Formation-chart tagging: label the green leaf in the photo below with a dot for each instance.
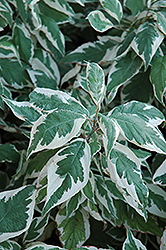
(10, 245)
(135, 6)
(159, 176)
(6, 14)
(98, 21)
(22, 10)
(125, 45)
(92, 209)
(73, 203)
(22, 41)
(124, 171)
(7, 48)
(75, 230)
(43, 246)
(68, 173)
(138, 124)
(122, 71)
(113, 7)
(16, 211)
(88, 190)
(158, 78)
(132, 243)
(9, 153)
(110, 131)
(147, 41)
(160, 18)
(36, 229)
(61, 5)
(96, 82)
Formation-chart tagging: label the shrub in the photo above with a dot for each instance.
(82, 98)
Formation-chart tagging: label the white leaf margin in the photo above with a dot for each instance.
(161, 171)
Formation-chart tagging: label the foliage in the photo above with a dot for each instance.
(82, 105)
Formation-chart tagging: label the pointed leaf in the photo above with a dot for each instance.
(9, 153)
(147, 41)
(158, 78)
(132, 243)
(122, 71)
(74, 230)
(73, 203)
(96, 82)
(60, 5)
(138, 123)
(163, 241)
(160, 18)
(113, 7)
(98, 21)
(16, 211)
(159, 176)
(6, 13)
(10, 245)
(68, 173)
(136, 6)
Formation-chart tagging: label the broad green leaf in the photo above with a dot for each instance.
(53, 33)
(13, 74)
(159, 176)
(163, 241)
(147, 41)
(93, 52)
(138, 124)
(54, 130)
(160, 18)
(124, 171)
(9, 153)
(36, 229)
(158, 78)
(22, 9)
(68, 173)
(60, 5)
(132, 243)
(16, 211)
(10, 245)
(6, 14)
(110, 131)
(75, 230)
(157, 198)
(135, 6)
(96, 82)
(125, 45)
(88, 190)
(23, 43)
(73, 203)
(122, 71)
(113, 7)
(98, 21)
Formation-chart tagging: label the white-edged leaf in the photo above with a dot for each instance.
(131, 243)
(138, 124)
(135, 6)
(163, 241)
(159, 176)
(157, 197)
(122, 71)
(42, 246)
(9, 153)
(95, 82)
(98, 21)
(158, 78)
(61, 5)
(92, 209)
(89, 188)
(54, 130)
(7, 48)
(36, 229)
(73, 203)
(75, 230)
(147, 41)
(22, 41)
(16, 211)
(160, 18)
(6, 14)
(68, 173)
(124, 171)
(113, 7)
(10, 245)
(71, 73)
(110, 130)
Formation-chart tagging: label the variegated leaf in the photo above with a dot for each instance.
(43, 246)
(98, 21)
(158, 78)
(160, 18)
(73, 203)
(113, 7)
(132, 243)
(16, 211)
(75, 230)
(110, 131)
(36, 229)
(70, 74)
(22, 41)
(147, 41)
(88, 190)
(96, 82)
(125, 44)
(124, 170)
(157, 204)
(6, 14)
(122, 71)
(92, 209)
(22, 8)
(54, 130)
(9, 153)
(135, 6)
(159, 176)
(68, 173)
(7, 48)
(10, 245)
(138, 124)
(163, 241)
(61, 5)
